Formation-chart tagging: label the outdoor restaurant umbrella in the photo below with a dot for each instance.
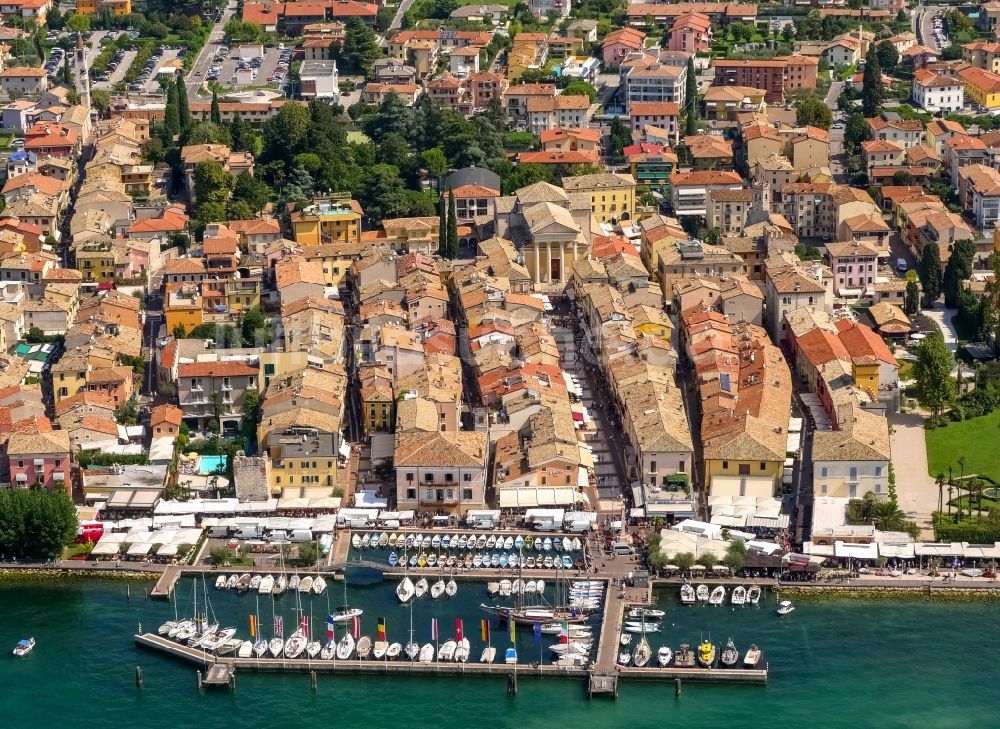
(720, 568)
(697, 567)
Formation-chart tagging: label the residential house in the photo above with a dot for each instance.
(937, 92)
(691, 33)
(444, 471)
(39, 455)
(618, 44)
(213, 392)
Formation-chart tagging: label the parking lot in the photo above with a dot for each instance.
(152, 84)
(272, 67)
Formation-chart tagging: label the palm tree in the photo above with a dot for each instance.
(976, 488)
(939, 480)
(888, 517)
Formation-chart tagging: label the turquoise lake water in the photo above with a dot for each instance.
(837, 663)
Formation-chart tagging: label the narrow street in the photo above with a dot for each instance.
(604, 437)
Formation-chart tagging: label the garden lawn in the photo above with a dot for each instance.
(976, 439)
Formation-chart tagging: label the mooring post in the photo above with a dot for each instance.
(128, 594)
(512, 684)
(312, 680)
(138, 676)
(200, 688)
(677, 687)
(232, 683)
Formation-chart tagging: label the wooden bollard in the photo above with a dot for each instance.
(138, 676)
(677, 687)
(312, 680)
(200, 687)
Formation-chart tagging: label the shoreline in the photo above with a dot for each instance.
(41, 573)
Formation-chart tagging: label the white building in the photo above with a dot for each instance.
(319, 80)
(937, 91)
(853, 459)
(541, 8)
(654, 77)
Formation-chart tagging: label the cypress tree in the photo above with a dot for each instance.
(171, 118)
(216, 114)
(183, 110)
(442, 228)
(452, 228)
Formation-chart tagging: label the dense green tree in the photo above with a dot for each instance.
(524, 175)
(932, 372)
(212, 184)
(855, 132)
(888, 56)
(209, 133)
(171, 115)
(100, 99)
(958, 270)
(360, 49)
(245, 137)
(619, 136)
(691, 89)
(286, 131)
(35, 523)
(254, 192)
(254, 329)
(931, 277)
(814, 112)
(579, 87)
(383, 194)
(872, 93)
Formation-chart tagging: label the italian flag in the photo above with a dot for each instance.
(564, 632)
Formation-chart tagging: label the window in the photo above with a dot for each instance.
(467, 494)
(448, 478)
(411, 494)
(20, 464)
(878, 470)
(429, 478)
(725, 464)
(763, 465)
(466, 476)
(58, 463)
(822, 472)
(652, 466)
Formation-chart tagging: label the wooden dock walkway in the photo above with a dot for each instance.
(165, 585)
(201, 659)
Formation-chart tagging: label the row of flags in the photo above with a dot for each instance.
(279, 628)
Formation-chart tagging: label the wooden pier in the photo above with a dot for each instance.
(164, 586)
(598, 681)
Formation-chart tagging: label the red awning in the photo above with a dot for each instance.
(577, 416)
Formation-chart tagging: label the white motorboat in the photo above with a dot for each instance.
(280, 585)
(718, 596)
(753, 594)
(752, 657)
(493, 588)
(426, 653)
(366, 540)
(255, 582)
(687, 594)
(216, 641)
(463, 541)
(24, 647)
(379, 649)
(641, 627)
(383, 539)
(505, 588)
(477, 560)
(319, 585)
(345, 647)
(364, 646)
(244, 649)
(305, 584)
(644, 613)
(572, 647)
(420, 589)
(451, 587)
(517, 586)
(539, 586)
(481, 541)
(462, 651)
(491, 541)
(295, 645)
(577, 544)
(329, 651)
(739, 596)
(510, 656)
(626, 638)
(701, 592)
(785, 607)
(293, 582)
(508, 543)
(446, 651)
(243, 584)
(529, 587)
(313, 648)
(437, 589)
(260, 648)
(488, 655)
(393, 538)
(624, 658)
(275, 647)
(642, 654)
(232, 582)
(436, 541)
(356, 540)
(207, 633)
(347, 613)
(572, 660)
(393, 651)
(412, 650)
(426, 542)
(266, 586)
(166, 627)
(664, 656)
(405, 590)
(431, 559)
(220, 582)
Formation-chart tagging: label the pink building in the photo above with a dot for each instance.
(691, 33)
(38, 455)
(854, 266)
(618, 44)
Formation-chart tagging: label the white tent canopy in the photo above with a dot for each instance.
(855, 551)
(527, 497)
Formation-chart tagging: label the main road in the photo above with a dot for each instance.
(196, 77)
(922, 23)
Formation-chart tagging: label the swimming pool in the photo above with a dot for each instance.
(207, 465)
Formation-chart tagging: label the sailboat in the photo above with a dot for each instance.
(266, 586)
(295, 644)
(729, 656)
(405, 590)
(451, 588)
(437, 589)
(412, 648)
(364, 646)
(642, 653)
(280, 585)
(345, 647)
(420, 588)
(346, 612)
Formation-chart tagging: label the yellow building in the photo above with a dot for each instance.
(336, 219)
(865, 373)
(278, 364)
(182, 307)
(651, 322)
(69, 374)
(982, 87)
(296, 464)
(336, 259)
(377, 407)
(91, 7)
(96, 261)
(243, 294)
(612, 195)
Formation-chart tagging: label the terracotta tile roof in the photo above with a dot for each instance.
(706, 177)
(166, 413)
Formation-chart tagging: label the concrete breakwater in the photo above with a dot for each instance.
(936, 591)
(17, 573)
